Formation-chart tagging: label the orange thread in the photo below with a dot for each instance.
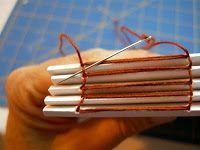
(84, 75)
(150, 44)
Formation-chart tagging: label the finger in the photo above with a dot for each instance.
(105, 133)
(35, 80)
(28, 86)
(26, 89)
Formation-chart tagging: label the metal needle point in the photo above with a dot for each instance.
(100, 61)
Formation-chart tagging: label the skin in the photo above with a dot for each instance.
(28, 128)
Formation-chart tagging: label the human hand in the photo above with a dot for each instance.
(28, 128)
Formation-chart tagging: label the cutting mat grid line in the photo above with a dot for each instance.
(31, 34)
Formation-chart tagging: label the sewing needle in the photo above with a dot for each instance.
(100, 61)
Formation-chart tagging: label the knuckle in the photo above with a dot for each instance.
(14, 81)
(96, 50)
(12, 77)
(95, 54)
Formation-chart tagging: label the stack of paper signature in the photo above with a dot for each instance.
(119, 91)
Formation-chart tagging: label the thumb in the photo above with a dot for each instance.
(104, 133)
